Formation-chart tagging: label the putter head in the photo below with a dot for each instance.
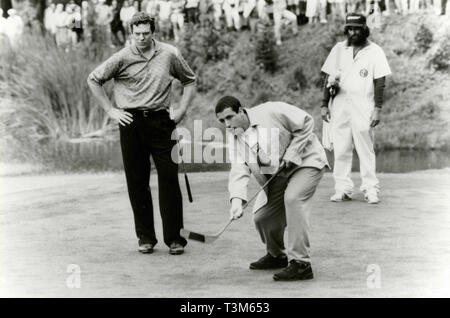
(192, 236)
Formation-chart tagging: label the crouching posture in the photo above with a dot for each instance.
(260, 140)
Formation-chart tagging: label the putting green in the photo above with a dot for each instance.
(48, 222)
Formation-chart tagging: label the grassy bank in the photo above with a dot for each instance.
(44, 97)
(417, 98)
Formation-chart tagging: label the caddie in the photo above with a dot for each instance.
(356, 70)
(260, 139)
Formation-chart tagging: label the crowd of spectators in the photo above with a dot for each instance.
(71, 23)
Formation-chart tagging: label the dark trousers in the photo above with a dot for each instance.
(192, 15)
(150, 134)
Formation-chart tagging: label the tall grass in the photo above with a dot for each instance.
(44, 93)
(44, 96)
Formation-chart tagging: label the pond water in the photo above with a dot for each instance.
(107, 156)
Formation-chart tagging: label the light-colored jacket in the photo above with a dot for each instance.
(277, 131)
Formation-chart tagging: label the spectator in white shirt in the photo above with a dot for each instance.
(49, 19)
(231, 10)
(73, 23)
(14, 27)
(177, 18)
(217, 13)
(152, 8)
(103, 20)
(3, 35)
(126, 13)
(278, 8)
(316, 10)
(164, 18)
(61, 25)
(247, 9)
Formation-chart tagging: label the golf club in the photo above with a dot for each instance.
(204, 238)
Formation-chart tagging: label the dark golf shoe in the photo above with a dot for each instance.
(145, 248)
(176, 248)
(297, 270)
(270, 262)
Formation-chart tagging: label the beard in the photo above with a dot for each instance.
(356, 39)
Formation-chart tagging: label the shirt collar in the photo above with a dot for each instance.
(136, 51)
(253, 117)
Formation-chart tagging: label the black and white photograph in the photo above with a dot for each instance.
(242, 150)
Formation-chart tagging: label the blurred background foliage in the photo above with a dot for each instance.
(44, 98)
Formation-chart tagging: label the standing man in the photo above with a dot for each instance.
(356, 69)
(143, 74)
(14, 27)
(2, 27)
(261, 139)
(103, 20)
(117, 29)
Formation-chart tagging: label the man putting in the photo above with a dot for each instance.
(143, 74)
(261, 138)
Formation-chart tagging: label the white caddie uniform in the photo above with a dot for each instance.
(351, 111)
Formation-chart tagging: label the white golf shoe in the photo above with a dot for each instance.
(340, 196)
(371, 197)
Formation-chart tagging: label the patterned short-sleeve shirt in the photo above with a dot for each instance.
(144, 82)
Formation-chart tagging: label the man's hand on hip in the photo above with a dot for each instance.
(236, 210)
(375, 118)
(122, 117)
(325, 112)
(177, 115)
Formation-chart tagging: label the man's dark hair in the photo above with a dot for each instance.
(228, 102)
(142, 18)
(366, 31)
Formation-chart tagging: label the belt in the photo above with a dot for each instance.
(145, 112)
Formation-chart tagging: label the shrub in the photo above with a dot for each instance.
(266, 55)
(423, 38)
(201, 44)
(298, 80)
(440, 58)
(44, 93)
(429, 111)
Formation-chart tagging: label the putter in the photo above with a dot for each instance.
(204, 238)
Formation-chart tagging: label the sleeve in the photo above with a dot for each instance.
(382, 68)
(329, 67)
(300, 124)
(239, 173)
(181, 70)
(379, 85)
(107, 70)
(326, 93)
